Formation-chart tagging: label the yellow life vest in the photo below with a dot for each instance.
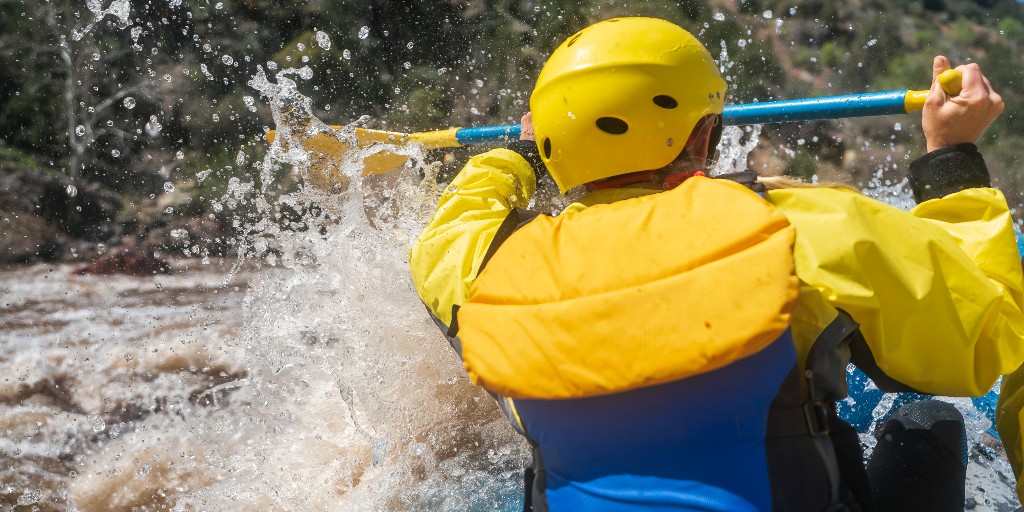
(631, 294)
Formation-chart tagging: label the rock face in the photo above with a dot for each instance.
(25, 238)
(39, 217)
(42, 219)
(133, 262)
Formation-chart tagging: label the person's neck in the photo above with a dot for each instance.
(664, 179)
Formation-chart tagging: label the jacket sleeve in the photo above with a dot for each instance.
(937, 290)
(446, 257)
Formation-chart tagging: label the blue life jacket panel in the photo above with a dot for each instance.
(693, 444)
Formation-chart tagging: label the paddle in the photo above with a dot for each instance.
(325, 147)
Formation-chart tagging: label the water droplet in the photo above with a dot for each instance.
(226, 59)
(407, 65)
(129, 103)
(80, 130)
(168, 187)
(323, 40)
(364, 32)
(718, 16)
(418, 449)
(115, 153)
(767, 14)
(409, 45)
(871, 43)
(136, 32)
(71, 190)
(95, 56)
(240, 157)
(169, 210)
(897, 127)
(153, 127)
(345, 54)
(96, 423)
(29, 497)
(219, 6)
(792, 11)
(180, 155)
(306, 73)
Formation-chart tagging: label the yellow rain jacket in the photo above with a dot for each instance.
(938, 291)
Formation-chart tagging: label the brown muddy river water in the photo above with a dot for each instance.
(255, 390)
(319, 386)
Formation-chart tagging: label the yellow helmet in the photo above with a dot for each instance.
(622, 96)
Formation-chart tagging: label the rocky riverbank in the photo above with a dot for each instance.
(46, 217)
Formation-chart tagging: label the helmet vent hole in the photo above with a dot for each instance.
(573, 40)
(612, 125)
(664, 101)
(547, 148)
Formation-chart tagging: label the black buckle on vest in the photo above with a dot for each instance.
(816, 414)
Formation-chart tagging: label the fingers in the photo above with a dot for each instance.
(939, 64)
(973, 81)
(997, 100)
(936, 95)
(526, 132)
(949, 120)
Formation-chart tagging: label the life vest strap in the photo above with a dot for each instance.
(809, 419)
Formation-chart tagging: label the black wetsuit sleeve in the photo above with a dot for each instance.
(948, 170)
(528, 150)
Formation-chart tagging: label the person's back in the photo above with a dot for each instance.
(668, 346)
(646, 389)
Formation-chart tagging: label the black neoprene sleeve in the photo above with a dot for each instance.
(528, 150)
(948, 170)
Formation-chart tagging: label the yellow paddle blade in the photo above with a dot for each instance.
(326, 151)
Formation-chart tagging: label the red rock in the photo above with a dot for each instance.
(132, 262)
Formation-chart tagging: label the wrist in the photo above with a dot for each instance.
(947, 170)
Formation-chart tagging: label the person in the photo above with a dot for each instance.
(676, 342)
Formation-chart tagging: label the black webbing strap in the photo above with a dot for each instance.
(516, 219)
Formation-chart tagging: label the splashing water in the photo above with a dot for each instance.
(120, 9)
(352, 396)
(734, 149)
(308, 378)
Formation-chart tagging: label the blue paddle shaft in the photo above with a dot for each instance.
(812, 109)
(809, 109)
